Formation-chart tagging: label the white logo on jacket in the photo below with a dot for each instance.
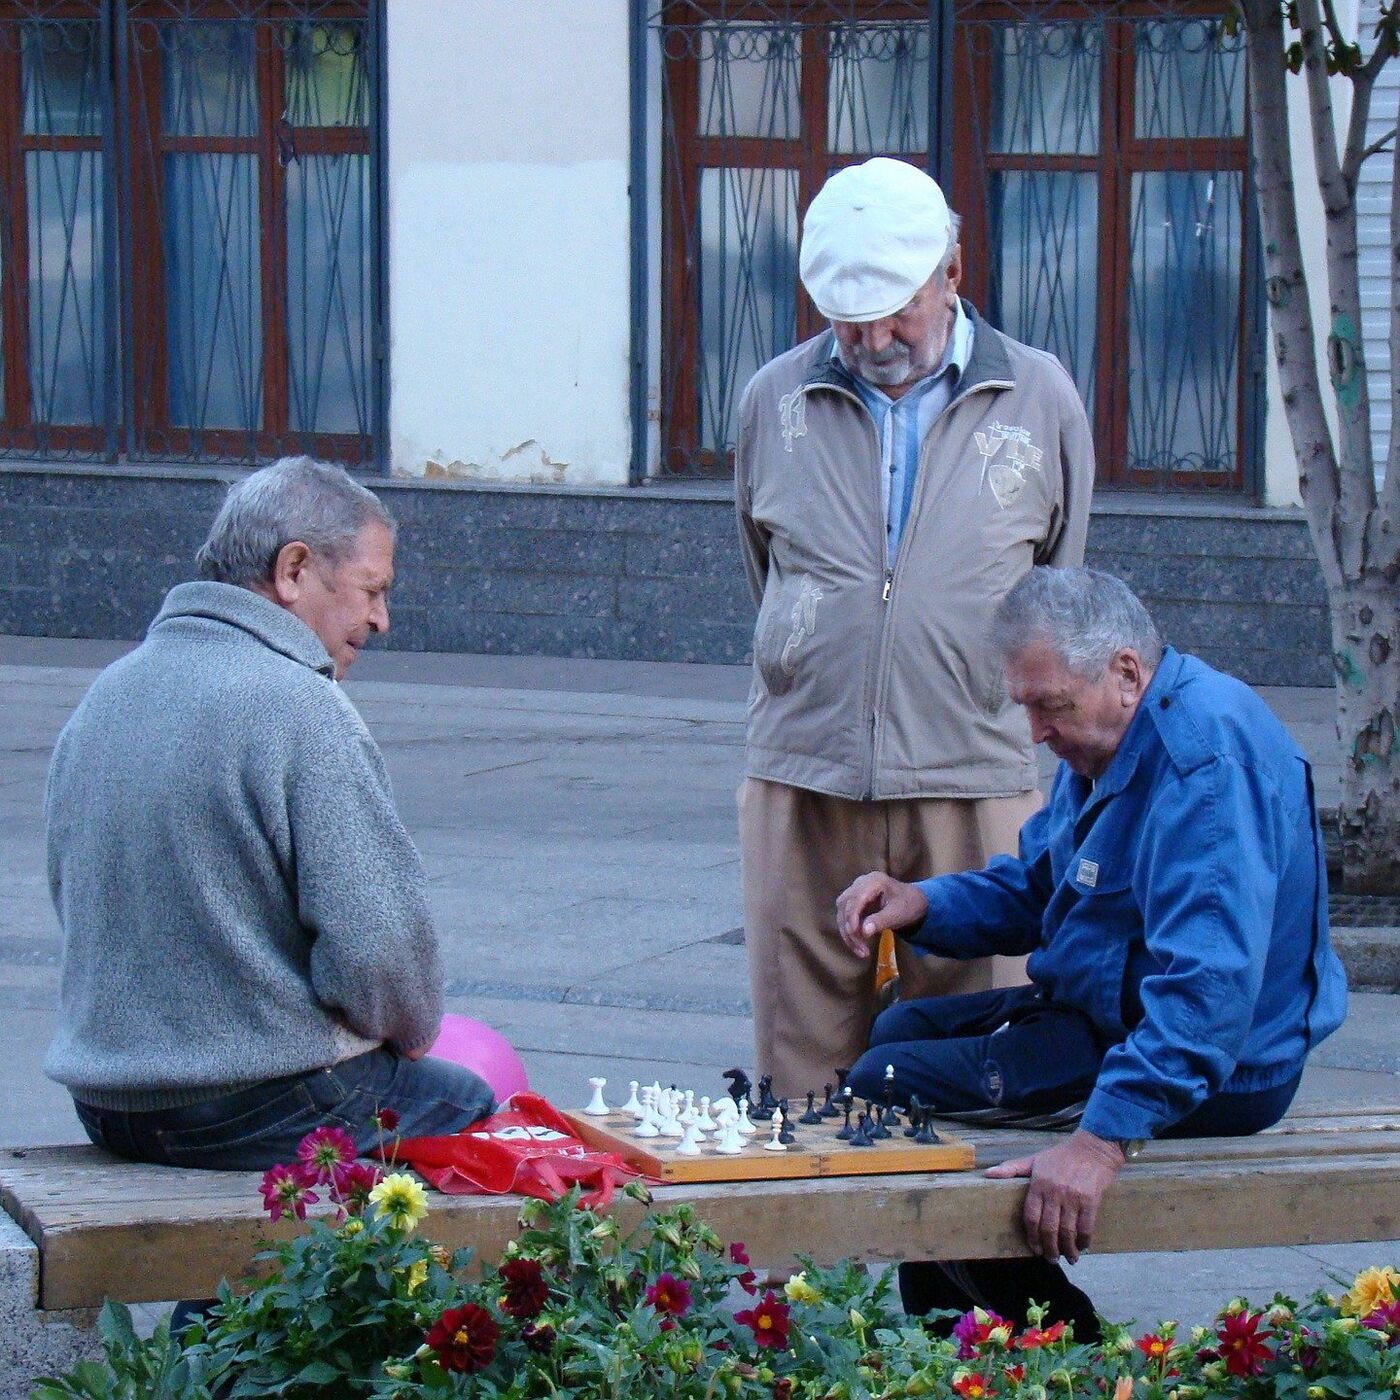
(1088, 873)
(792, 410)
(804, 622)
(1007, 455)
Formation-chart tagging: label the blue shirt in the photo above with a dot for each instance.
(1180, 902)
(902, 424)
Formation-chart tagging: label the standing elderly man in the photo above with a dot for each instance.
(895, 476)
(1173, 899)
(248, 952)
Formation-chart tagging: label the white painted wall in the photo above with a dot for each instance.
(1280, 464)
(508, 239)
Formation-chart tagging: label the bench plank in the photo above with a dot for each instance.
(110, 1229)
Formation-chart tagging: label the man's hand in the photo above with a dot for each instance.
(876, 902)
(1067, 1184)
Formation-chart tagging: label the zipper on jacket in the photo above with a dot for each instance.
(882, 656)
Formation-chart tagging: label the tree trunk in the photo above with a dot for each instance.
(1366, 653)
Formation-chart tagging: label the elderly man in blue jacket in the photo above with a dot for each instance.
(1172, 896)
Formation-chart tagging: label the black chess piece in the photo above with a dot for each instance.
(862, 1136)
(916, 1113)
(927, 1136)
(841, 1073)
(889, 1118)
(877, 1127)
(845, 1133)
(763, 1109)
(828, 1109)
(786, 1136)
(739, 1084)
(812, 1118)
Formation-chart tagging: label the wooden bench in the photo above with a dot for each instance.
(109, 1229)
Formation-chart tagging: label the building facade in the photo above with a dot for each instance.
(518, 261)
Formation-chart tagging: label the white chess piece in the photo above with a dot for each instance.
(646, 1124)
(690, 1144)
(706, 1123)
(745, 1126)
(670, 1125)
(596, 1106)
(775, 1143)
(633, 1104)
(730, 1142)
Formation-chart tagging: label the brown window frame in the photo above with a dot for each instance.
(1121, 155)
(151, 399)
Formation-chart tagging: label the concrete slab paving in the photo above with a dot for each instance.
(577, 822)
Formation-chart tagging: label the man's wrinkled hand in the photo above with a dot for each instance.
(1067, 1184)
(875, 902)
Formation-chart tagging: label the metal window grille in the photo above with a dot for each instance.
(1097, 152)
(189, 230)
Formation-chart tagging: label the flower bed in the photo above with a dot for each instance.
(361, 1304)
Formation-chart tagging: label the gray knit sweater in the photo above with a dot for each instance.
(238, 896)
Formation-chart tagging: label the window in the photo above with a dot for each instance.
(1097, 154)
(214, 295)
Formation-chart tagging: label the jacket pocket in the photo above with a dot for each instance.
(787, 622)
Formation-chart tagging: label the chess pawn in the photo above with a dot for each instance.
(730, 1142)
(689, 1145)
(633, 1104)
(646, 1124)
(670, 1125)
(745, 1126)
(812, 1117)
(776, 1143)
(705, 1123)
(596, 1107)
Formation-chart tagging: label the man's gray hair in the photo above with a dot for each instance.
(954, 231)
(296, 498)
(1084, 616)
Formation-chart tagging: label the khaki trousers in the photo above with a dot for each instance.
(813, 1001)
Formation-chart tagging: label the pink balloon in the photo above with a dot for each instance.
(479, 1048)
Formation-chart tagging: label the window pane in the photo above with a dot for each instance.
(213, 299)
(748, 80)
(879, 89)
(328, 293)
(67, 360)
(748, 272)
(1189, 79)
(207, 80)
(60, 78)
(1043, 281)
(1045, 88)
(1184, 317)
(326, 79)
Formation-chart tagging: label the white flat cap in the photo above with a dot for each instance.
(872, 237)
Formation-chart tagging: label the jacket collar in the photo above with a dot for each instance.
(273, 626)
(988, 364)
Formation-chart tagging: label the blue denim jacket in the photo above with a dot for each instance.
(1180, 902)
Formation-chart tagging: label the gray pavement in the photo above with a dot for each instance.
(577, 821)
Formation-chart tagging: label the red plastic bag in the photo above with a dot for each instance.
(526, 1147)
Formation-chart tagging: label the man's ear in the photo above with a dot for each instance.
(955, 269)
(1131, 676)
(289, 573)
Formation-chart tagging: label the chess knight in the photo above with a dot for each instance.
(895, 476)
(1172, 899)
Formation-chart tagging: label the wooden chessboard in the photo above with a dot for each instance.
(817, 1152)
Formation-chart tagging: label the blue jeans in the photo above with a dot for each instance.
(258, 1127)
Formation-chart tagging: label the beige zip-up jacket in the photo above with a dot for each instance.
(873, 678)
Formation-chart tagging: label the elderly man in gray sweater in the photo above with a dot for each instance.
(248, 952)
